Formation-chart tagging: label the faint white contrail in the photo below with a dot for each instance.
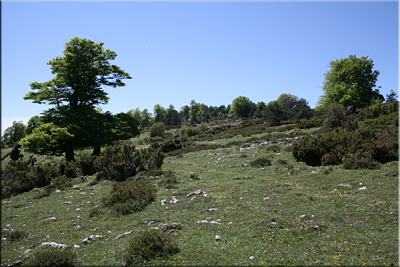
(151, 44)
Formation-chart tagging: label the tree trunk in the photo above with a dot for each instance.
(96, 151)
(69, 154)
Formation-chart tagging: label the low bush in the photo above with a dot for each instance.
(120, 162)
(260, 162)
(329, 148)
(148, 245)
(360, 160)
(168, 179)
(89, 164)
(129, 197)
(157, 129)
(14, 235)
(52, 257)
(168, 146)
(194, 176)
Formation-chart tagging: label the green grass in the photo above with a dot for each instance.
(260, 211)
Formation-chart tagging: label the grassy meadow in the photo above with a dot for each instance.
(283, 213)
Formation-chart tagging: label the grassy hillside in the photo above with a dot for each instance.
(275, 211)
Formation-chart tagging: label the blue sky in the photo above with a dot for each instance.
(211, 52)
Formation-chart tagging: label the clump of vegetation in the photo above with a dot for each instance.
(281, 162)
(260, 162)
(360, 160)
(168, 179)
(149, 245)
(194, 176)
(89, 164)
(14, 235)
(157, 129)
(120, 162)
(129, 197)
(275, 148)
(95, 212)
(330, 148)
(52, 257)
(168, 146)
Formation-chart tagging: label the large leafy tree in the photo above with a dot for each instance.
(241, 106)
(13, 134)
(76, 90)
(350, 82)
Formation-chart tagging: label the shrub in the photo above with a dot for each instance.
(157, 129)
(52, 257)
(121, 162)
(194, 176)
(149, 245)
(14, 235)
(89, 164)
(275, 148)
(335, 116)
(360, 160)
(329, 148)
(72, 169)
(168, 146)
(281, 162)
(168, 179)
(127, 198)
(260, 162)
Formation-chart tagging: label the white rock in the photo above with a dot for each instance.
(217, 238)
(51, 219)
(363, 188)
(252, 257)
(302, 216)
(76, 246)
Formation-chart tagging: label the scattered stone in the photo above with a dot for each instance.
(203, 221)
(303, 216)
(217, 238)
(198, 192)
(51, 219)
(163, 201)
(363, 188)
(252, 257)
(53, 244)
(75, 186)
(265, 198)
(215, 222)
(26, 251)
(243, 165)
(213, 209)
(76, 246)
(346, 185)
(171, 228)
(174, 200)
(126, 233)
(83, 193)
(148, 222)
(58, 191)
(314, 172)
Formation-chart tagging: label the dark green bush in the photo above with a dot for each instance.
(168, 146)
(89, 164)
(127, 198)
(72, 169)
(52, 257)
(148, 245)
(275, 148)
(334, 116)
(168, 179)
(157, 129)
(329, 148)
(360, 160)
(260, 162)
(14, 235)
(281, 162)
(121, 162)
(194, 176)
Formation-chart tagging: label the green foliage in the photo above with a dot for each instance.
(89, 164)
(194, 176)
(130, 197)
(168, 179)
(331, 147)
(360, 160)
(391, 97)
(334, 116)
(47, 138)
(168, 146)
(14, 235)
(157, 129)
(72, 169)
(241, 106)
(148, 245)
(350, 82)
(52, 257)
(33, 123)
(194, 112)
(121, 162)
(159, 113)
(260, 162)
(13, 134)
(275, 113)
